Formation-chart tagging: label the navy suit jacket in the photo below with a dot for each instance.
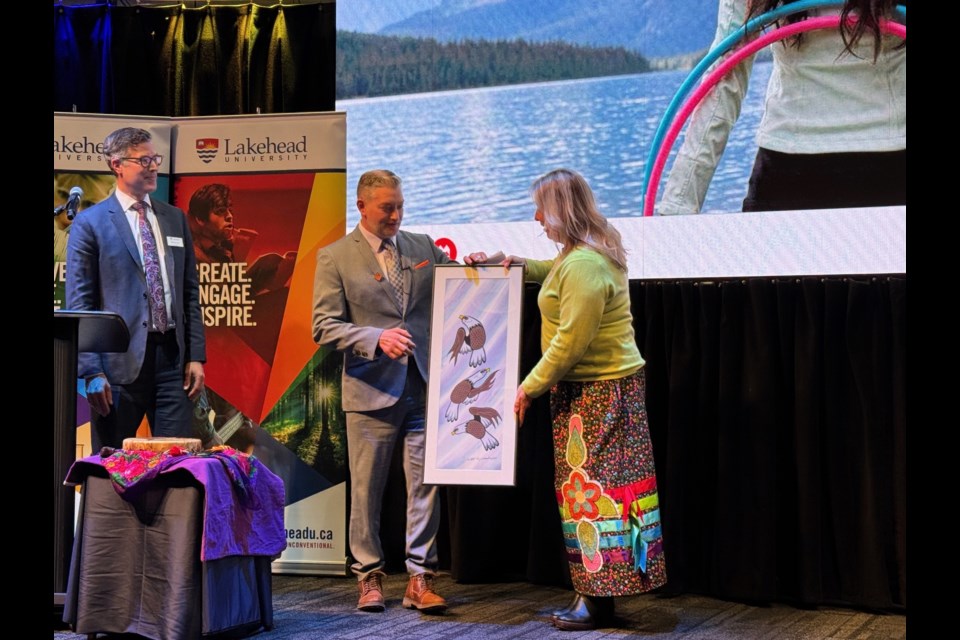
(105, 273)
(353, 302)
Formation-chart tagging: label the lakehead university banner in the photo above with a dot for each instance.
(262, 194)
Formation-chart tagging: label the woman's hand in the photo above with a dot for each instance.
(520, 405)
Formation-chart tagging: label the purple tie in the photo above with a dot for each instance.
(151, 267)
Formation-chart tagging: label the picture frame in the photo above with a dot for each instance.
(475, 326)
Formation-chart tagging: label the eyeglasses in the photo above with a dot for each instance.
(145, 161)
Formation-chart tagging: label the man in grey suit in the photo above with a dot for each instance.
(371, 301)
(133, 255)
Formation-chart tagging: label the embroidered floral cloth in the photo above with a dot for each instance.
(244, 501)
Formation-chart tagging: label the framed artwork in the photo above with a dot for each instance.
(471, 430)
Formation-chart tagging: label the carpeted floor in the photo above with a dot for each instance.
(309, 607)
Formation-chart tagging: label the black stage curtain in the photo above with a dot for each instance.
(778, 416)
(177, 61)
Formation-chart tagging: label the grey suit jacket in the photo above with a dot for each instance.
(353, 303)
(105, 273)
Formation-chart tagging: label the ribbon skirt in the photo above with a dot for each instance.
(607, 486)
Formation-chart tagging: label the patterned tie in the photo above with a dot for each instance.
(393, 269)
(151, 267)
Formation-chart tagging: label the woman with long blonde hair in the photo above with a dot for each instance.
(605, 476)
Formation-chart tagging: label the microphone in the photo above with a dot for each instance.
(71, 205)
(76, 194)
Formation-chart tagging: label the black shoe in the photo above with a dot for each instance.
(573, 605)
(587, 612)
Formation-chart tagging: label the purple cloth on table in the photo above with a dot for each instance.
(229, 528)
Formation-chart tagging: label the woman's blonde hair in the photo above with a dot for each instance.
(566, 203)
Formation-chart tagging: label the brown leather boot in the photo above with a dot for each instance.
(420, 595)
(371, 592)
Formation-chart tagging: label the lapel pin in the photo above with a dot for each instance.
(420, 265)
(378, 276)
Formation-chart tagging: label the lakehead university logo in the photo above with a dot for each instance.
(250, 150)
(207, 149)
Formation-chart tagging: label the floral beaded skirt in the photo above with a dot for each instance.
(607, 486)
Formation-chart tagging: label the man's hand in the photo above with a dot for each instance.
(99, 394)
(193, 379)
(520, 405)
(396, 343)
(479, 257)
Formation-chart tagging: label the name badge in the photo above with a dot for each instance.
(173, 241)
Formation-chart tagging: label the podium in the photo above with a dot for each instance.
(73, 331)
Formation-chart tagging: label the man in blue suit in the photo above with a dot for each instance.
(133, 255)
(371, 301)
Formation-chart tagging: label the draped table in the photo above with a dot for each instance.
(183, 554)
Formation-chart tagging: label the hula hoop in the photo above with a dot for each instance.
(714, 54)
(812, 24)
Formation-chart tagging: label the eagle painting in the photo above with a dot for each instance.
(467, 390)
(484, 418)
(470, 340)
